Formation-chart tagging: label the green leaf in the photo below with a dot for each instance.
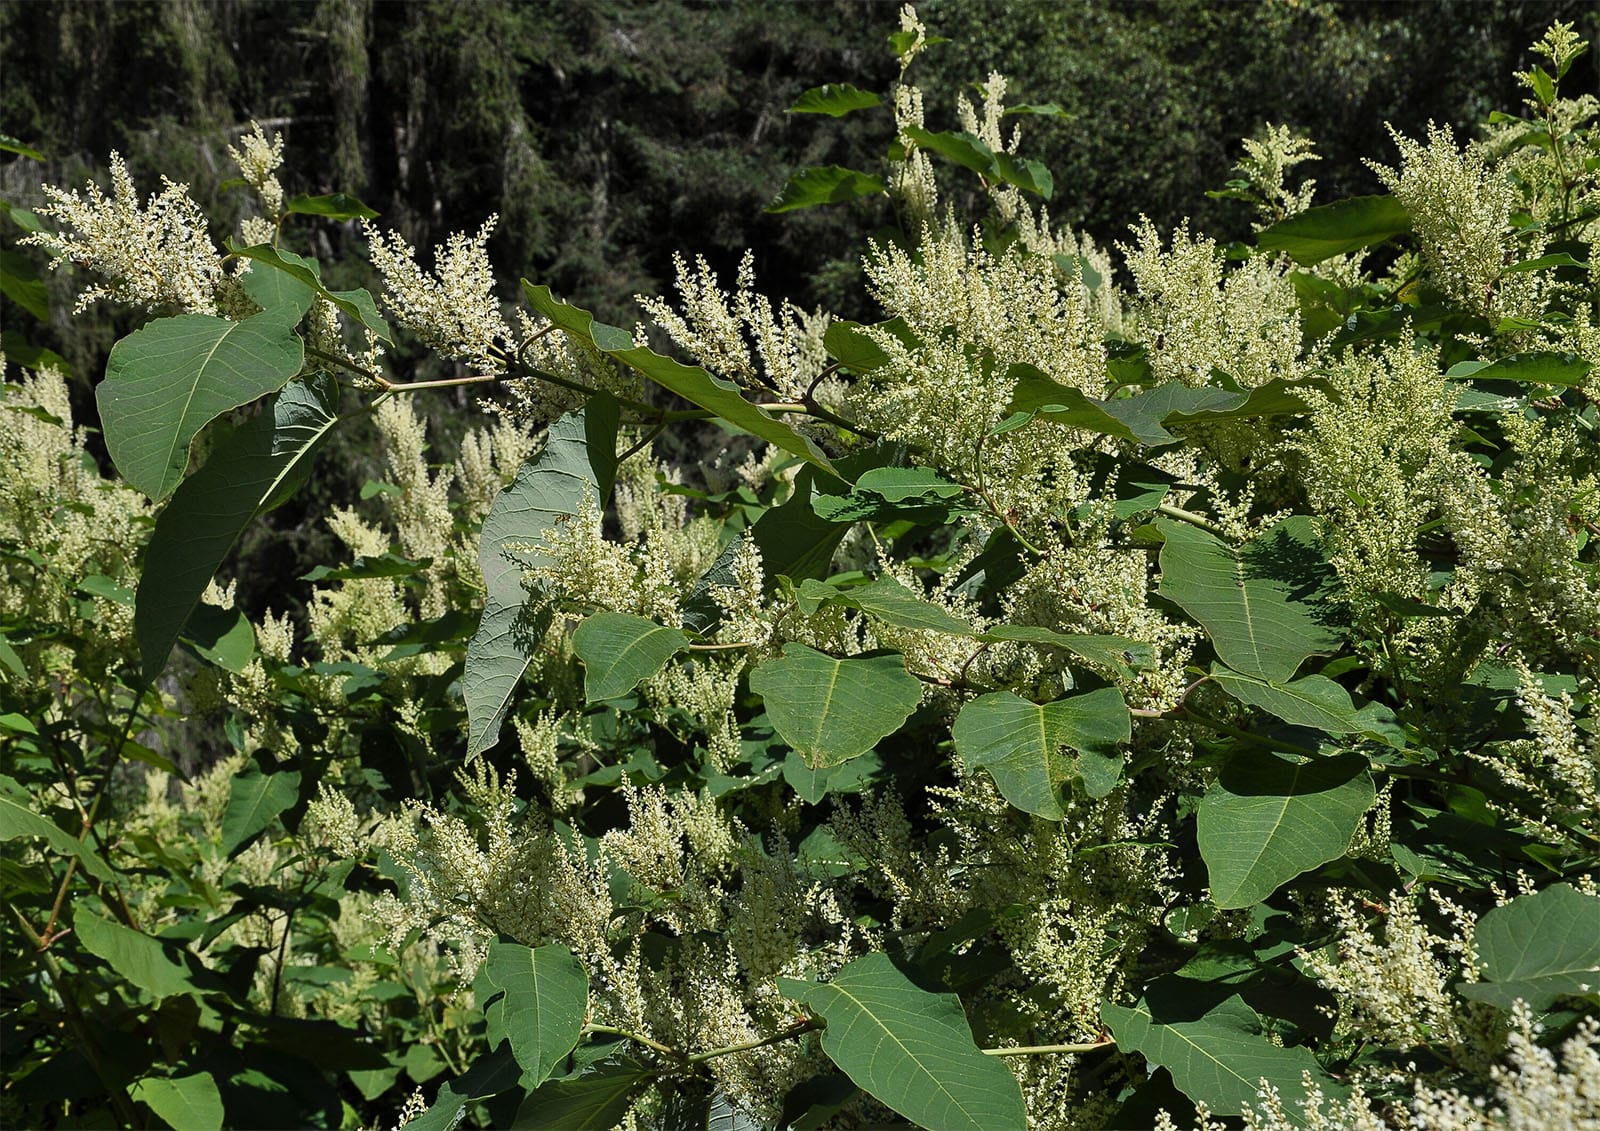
(1019, 743)
(1260, 603)
(835, 100)
(252, 470)
(170, 379)
(489, 1076)
(20, 283)
(911, 1049)
(1118, 653)
(965, 149)
(1217, 1052)
(1539, 947)
(184, 1103)
(256, 799)
(597, 1100)
(621, 651)
(19, 817)
(1311, 701)
(537, 1000)
(1334, 229)
(1025, 173)
(18, 724)
(225, 637)
(825, 184)
(357, 305)
(578, 460)
(1047, 109)
(1564, 369)
(834, 710)
(335, 206)
(850, 345)
(135, 956)
(278, 291)
(1037, 393)
(693, 384)
(891, 602)
(9, 144)
(1269, 817)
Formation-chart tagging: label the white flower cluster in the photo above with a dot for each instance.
(157, 255)
(258, 158)
(453, 310)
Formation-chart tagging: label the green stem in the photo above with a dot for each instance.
(726, 1050)
(1040, 1050)
(612, 1030)
(1192, 519)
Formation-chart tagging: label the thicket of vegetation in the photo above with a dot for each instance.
(1086, 685)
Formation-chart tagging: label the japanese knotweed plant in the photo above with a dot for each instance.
(1085, 664)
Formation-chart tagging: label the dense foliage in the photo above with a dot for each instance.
(1092, 690)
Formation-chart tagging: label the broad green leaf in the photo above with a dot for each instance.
(537, 1000)
(489, 1075)
(911, 1049)
(834, 710)
(825, 184)
(621, 651)
(835, 99)
(1218, 1053)
(884, 488)
(1310, 701)
(256, 799)
(1020, 743)
(1261, 603)
(1539, 947)
(1565, 369)
(596, 1100)
(888, 601)
(20, 283)
(355, 304)
(693, 384)
(184, 1103)
(170, 379)
(1026, 174)
(252, 470)
(135, 956)
(19, 817)
(1269, 817)
(812, 784)
(578, 461)
(1334, 229)
(335, 206)
(965, 149)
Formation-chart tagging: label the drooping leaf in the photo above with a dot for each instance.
(279, 291)
(891, 602)
(334, 206)
(835, 99)
(1020, 743)
(911, 1049)
(256, 799)
(1310, 701)
(1563, 369)
(596, 1100)
(621, 651)
(143, 961)
(1263, 604)
(965, 149)
(184, 1103)
(9, 144)
(834, 710)
(357, 304)
(171, 378)
(489, 1075)
(1333, 229)
(1539, 947)
(1037, 393)
(1269, 817)
(578, 460)
(253, 469)
(825, 184)
(19, 818)
(850, 345)
(224, 637)
(693, 384)
(1217, 1052)
(537, 1000)
(1118, 653)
